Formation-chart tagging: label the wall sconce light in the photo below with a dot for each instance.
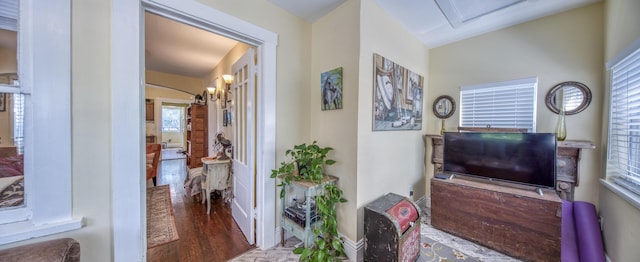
(213, 93)
(228, 79)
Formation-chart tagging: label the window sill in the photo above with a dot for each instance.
(23, 230)
(622, 192)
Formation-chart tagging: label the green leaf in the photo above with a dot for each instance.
(299, 250)
(282, 193)
(330, 162)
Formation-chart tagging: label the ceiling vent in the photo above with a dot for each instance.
(459, 12)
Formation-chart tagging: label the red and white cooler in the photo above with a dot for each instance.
(391, 229)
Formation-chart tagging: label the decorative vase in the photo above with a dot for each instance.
(561, 127)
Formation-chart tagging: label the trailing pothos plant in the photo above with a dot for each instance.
(306, 162)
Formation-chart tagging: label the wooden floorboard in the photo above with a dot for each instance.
(203, 237)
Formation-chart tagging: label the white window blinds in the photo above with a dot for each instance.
(508, 104)
(623, 164)
(9, 14)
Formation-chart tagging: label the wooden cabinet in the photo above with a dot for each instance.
(567, 162)
(148, 110)
(518, 222)
(196, 134)
(298, 211)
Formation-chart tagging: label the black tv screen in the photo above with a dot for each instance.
(526, 158)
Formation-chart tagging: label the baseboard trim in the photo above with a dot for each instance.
(354, 250)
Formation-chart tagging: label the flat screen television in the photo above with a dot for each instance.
(525, 158)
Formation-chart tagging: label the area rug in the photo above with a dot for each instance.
(431, 250)
(276, 254)
(161, 226)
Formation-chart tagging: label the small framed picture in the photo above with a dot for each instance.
(223, 101)
(225, 118)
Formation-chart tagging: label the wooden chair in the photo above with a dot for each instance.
(153, 158)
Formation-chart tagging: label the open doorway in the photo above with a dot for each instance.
(127, 41)
(173, 130)
(184, 129)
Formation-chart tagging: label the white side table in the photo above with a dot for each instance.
(216, 175)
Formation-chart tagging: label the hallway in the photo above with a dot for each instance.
(213, 237)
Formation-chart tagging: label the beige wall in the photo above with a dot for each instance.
(293, 65)
(215, 110)
(192, 85)
(335, 43)
(91, 127)
(388, 161)
(621, 221)
(155, 92)
(6, 123)
(8, 61)
(563, 47)
(8, 64)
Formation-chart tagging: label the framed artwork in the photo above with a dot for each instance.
(331, 89)
(225, 118)
(397, 96)
(3, 102)
(223, 102)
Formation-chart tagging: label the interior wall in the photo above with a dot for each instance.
(8, 61)
(8, 64)
(335, 43)
(154, 92)
(192, 85)
(6, 123)
(388, 161)
(293, 63)
(215, 111)
(91, 128)
(564, 47)
(621, 220)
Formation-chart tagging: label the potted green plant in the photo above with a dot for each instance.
(306, 162)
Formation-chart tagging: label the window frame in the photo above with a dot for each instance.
(612, 169)
(496, 85)
(47, 89)
(180, 121)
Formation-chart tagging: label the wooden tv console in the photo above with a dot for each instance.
(516, 221)
(567, 162)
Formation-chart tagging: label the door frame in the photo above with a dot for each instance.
(127, 42)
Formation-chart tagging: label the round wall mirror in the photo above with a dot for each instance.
(444, 106)
(576, 97)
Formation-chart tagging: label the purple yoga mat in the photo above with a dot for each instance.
(588, 232)
(568, 243)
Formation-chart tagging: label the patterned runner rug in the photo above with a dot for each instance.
(161, 226)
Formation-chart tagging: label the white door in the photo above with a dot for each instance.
(243, 124)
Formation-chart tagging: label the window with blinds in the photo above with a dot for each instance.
(623, 163)
(508, 104)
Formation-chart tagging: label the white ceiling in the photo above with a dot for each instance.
(423, 18)
(177, 48)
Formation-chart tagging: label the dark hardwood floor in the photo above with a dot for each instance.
(213, 237)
